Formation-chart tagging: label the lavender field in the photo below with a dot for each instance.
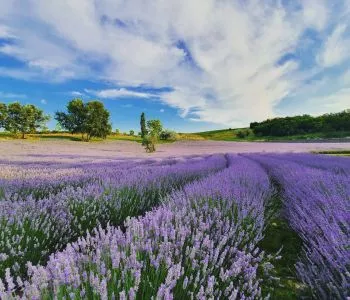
(204, 226)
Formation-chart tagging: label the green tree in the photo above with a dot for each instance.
(24, 118)
(89, 119)
(131, 132)
(117, 131)
(154, 128)
(149, 142)
(143, 125)
(305, 124)
(3, 114)
(97, 120)
(75, 117)
(58, 127)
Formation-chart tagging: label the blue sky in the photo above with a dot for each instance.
(196, 65)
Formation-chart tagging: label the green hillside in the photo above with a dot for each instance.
(246, 134)
(228, 134)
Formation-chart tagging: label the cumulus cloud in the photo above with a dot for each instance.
(43, 101)
(227, 62)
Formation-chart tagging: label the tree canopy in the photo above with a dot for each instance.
(143, 125)
(74, 119)
(18, 118)
(303, 124)
(3, 114)
(89, 119)
(154, 127)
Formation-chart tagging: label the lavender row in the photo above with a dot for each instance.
(32, 229)
(317, 206)
(201, 244)
(41, 180)
(334, 164)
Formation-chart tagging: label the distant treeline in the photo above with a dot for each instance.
(303, 124)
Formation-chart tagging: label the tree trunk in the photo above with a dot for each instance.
(23, 135)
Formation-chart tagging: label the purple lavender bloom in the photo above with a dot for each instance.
(316, 192)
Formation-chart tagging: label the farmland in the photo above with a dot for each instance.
(219, 221)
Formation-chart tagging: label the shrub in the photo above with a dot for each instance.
(242, 134)
(168, 135)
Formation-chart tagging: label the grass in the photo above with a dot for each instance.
(335, 152)
(227, 135)
(6, 136)
(190, 137)
(215, 135)
(74, 137)
(68, 137)
(279, 236)
(279, 233)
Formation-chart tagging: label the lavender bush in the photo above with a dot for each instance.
(201, 243)
(31, 228)
(317, 206)
(179, 228)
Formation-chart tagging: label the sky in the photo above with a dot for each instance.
(196, 65)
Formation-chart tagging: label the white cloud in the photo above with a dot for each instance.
(315, 13)
(12, 95)
(43, 101)
(119, 93)
(230, 72)
(76, 94)
(162, 110)
(337, 47)
(330, 94)
(5, 32)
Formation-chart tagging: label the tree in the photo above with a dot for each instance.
(97, 120)
(131, 132)
(58, 128)
(328, 123)
(24, 118)
(3, 114)
(117, 131)
(149, 142)
(90, 119)
(154, 128)
(143, 125)
(75, 118)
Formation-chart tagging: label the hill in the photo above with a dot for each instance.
(246, 134)
(237, 134)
